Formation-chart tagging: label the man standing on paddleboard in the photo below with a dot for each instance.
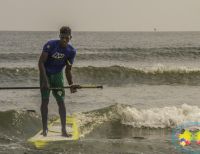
(55, 56)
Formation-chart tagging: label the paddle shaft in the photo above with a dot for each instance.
(79, 87)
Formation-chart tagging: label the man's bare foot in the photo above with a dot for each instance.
(44, 133)
(65, 134)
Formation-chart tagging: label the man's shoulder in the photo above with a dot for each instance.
(52, 42)
(49, 45)
(71, 48)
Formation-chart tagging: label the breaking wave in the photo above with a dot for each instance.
(156, 118)
(112, 75)
(23, 124)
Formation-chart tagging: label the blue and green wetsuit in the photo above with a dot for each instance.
(56, 61)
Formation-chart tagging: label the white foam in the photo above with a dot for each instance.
(159, 117)
(166, 117)
(162, 68)
(88, 122)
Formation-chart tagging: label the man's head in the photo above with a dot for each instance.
(65, 35)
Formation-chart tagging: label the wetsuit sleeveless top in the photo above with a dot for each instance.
(58, 56)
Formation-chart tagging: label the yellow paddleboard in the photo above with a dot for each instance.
(54, 133)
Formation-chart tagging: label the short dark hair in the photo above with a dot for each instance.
(65, 30)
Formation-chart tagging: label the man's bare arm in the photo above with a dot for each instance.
(42, 60)
(68, 74)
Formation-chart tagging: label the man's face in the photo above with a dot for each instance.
(64, 39)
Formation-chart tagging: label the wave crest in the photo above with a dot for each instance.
(113, 75)
(166, 117)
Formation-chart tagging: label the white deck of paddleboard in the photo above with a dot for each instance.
(54, 134)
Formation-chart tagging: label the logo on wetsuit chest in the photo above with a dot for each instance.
(58, 55)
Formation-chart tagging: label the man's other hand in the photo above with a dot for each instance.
(73, 88)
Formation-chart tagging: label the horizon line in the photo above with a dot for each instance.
(101, 31)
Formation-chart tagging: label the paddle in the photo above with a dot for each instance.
(78, 87)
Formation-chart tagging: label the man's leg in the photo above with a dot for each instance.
(44, 113)
(45, 93)
(62, 112)
(59, 95)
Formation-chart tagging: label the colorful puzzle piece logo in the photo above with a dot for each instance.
(187, 136)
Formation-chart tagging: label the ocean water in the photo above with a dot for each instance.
(151, 85)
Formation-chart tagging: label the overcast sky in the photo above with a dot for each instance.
(100, 15)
